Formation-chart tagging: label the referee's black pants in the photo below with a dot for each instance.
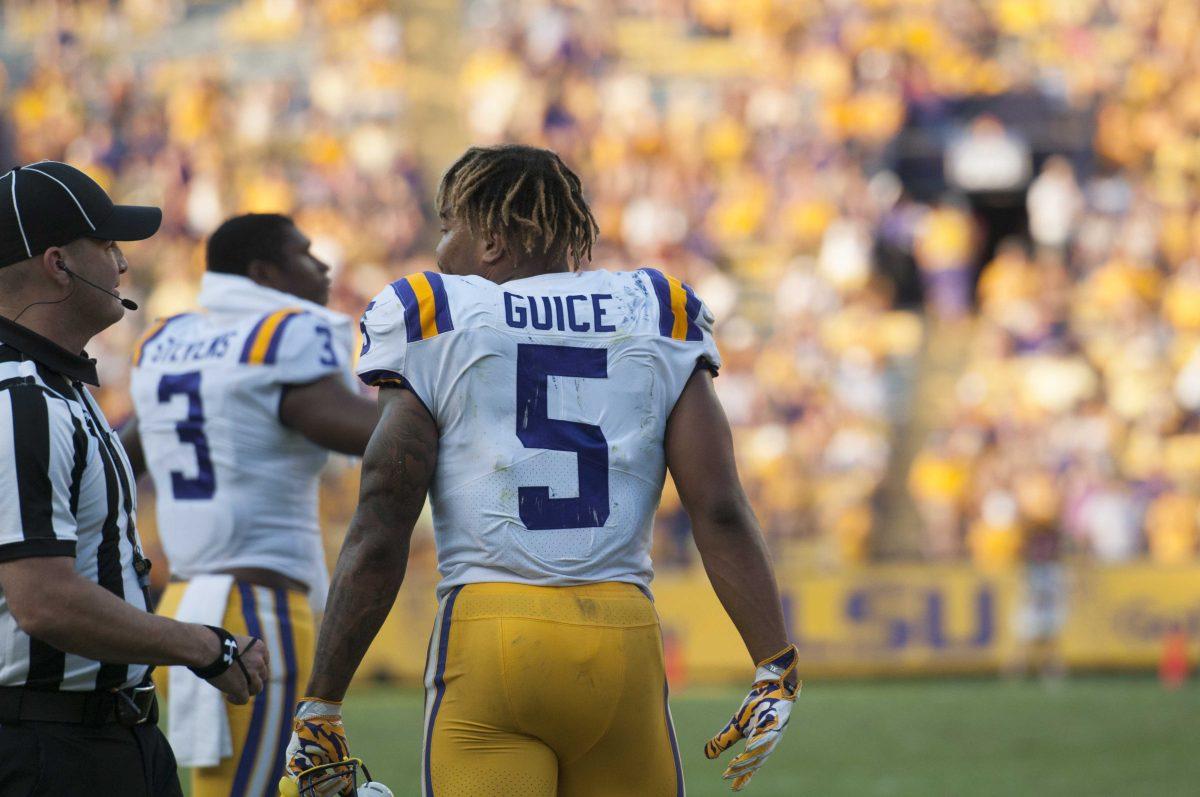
(55, 759)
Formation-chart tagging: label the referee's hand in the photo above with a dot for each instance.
(253, 656)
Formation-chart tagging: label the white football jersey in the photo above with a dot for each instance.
(235, 487)
(551, 395)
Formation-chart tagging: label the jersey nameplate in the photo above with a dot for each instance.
(575, 313)
(171, 350)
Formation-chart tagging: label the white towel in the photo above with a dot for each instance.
(198, 727)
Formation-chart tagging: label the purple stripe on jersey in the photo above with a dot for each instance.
(277, 337)
(412, 308)
(662, 289)
(692, 308)
(441, 302)
(251, 338)
(374, 378)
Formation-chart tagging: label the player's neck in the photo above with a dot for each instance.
(535, 270)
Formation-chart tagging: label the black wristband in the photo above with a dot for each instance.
(224, 659)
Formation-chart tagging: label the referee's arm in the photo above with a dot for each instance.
(53, 603)
(48, 599)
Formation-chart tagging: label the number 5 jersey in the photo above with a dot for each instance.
(551, 395)
(235, 487)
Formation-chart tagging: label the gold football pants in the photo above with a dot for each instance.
(547, 692)
(260, 729)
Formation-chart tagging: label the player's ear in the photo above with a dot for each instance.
(495, 249)
(264, 272)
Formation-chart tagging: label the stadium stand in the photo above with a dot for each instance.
(954, 253)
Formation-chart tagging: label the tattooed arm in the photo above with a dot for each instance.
(397, 468)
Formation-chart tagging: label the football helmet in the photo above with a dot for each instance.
(337, 778)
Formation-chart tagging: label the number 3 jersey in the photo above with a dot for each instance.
(551, 396)
(235, 487)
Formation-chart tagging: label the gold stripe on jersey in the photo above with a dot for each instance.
(150, 333)
(266, 331)
(424, 292)
(678, 308)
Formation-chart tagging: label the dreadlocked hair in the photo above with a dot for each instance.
(524, 195)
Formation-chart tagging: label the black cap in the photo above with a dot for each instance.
(49, 204)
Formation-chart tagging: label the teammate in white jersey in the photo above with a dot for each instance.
(238, 405)
(540, 407)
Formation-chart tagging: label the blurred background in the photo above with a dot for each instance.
(953, 247)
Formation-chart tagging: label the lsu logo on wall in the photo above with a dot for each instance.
(907, 620)
(890, 620)
(889, 616)
(880, 619)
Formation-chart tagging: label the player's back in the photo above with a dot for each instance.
(551, 395)
(235, 487)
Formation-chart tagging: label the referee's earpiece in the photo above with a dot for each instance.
(128, 304)
(61, 265)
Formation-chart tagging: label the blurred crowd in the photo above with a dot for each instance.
(750, 148)
(1073, 427)
(214, 108)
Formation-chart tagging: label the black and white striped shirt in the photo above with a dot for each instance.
(66, 489)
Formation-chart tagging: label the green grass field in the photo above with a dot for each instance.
(1093, 736)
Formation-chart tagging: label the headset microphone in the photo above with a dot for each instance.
(128, 304)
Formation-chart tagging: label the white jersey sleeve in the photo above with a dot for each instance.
(384, 342)
(410, 312)
(301, 349)
(685, 331)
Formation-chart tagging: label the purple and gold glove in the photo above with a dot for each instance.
(762, 718)
(318, 739)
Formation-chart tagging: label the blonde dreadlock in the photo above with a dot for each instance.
(524, 195)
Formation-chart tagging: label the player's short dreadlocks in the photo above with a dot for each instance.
(526, 196)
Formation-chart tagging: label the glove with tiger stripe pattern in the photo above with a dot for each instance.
(761, 719)
(318, 738)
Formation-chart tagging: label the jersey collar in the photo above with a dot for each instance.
(76, 367)
(232, 293)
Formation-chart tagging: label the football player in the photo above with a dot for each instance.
(237, 406)
(540, 407)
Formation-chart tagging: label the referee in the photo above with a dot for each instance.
(77, 708)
